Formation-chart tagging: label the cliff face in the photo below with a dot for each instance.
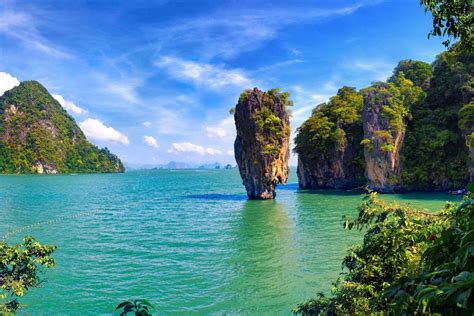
(383, 141)
(328, 144)
(262, 143)
(416, 130)
(38, 136)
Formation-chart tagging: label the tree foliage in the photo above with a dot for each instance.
(19, 270)
(434, 153)
(137, 307)
(409, 262)
(331, 126)
(35, 129)
(454, 18)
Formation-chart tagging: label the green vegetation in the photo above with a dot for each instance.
(333, 125)
(19, 270)
(138, 307)
(454, 18)
(36, 131)
(434, 153)
(433, 103)
(410, 262)
(271, 129)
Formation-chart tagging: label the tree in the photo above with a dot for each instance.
(19, 270)
(454, 18)
(409, 263)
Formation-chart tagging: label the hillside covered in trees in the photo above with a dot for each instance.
(411, 133)
(38, 136)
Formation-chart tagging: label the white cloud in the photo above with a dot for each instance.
(230, 32)
(213, 151)
(124, 91)
(190, 147)
(96, 130)
(378, 69)
(146, 124)
(224, 129)
(7, 82)
(69, 105)
(150, 141)
(212, 76)
(230, 152)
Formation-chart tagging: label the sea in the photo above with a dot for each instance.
(188, 241)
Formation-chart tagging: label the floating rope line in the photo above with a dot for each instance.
(46, 222)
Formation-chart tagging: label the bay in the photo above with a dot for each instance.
(186, 240)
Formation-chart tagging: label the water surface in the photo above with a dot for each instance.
(186, 240)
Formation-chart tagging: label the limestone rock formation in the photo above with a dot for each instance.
(413, 131)
(383, 139)
(328, 144)
(262, 143)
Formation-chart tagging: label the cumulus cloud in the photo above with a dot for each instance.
(96, 130)
(212, 76)
(7, 82)
(69, 105)
(150, 141)
(146, 124)
(224, 129)
(193, 148)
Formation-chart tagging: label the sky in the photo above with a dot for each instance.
(154, 80)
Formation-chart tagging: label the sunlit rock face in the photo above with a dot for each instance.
(262, 143)
(382, 155)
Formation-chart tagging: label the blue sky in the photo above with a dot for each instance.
(154, 80)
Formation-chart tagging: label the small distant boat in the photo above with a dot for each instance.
(458, 192)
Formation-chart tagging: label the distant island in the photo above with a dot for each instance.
(38, 136)
(173, 165)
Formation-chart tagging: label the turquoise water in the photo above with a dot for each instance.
(187, 240)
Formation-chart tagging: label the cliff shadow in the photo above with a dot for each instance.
(340, 192)
(287, 187)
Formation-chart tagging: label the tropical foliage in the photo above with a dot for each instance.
(137, 307)
(410, 262)
(434, 153)
(431, 103)
(19, 270)
(332, 126)
(35, 129)
(452, 18)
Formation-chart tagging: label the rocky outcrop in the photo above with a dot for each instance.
(328, 144)
(383, 139)
(262, 143)
(338, 171)
(414, 129)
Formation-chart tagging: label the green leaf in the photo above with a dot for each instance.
(123, 304)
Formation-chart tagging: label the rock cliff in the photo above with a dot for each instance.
(38, 136)
(328, 144)
(411, 133)
(383, 140)
(262, 143)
